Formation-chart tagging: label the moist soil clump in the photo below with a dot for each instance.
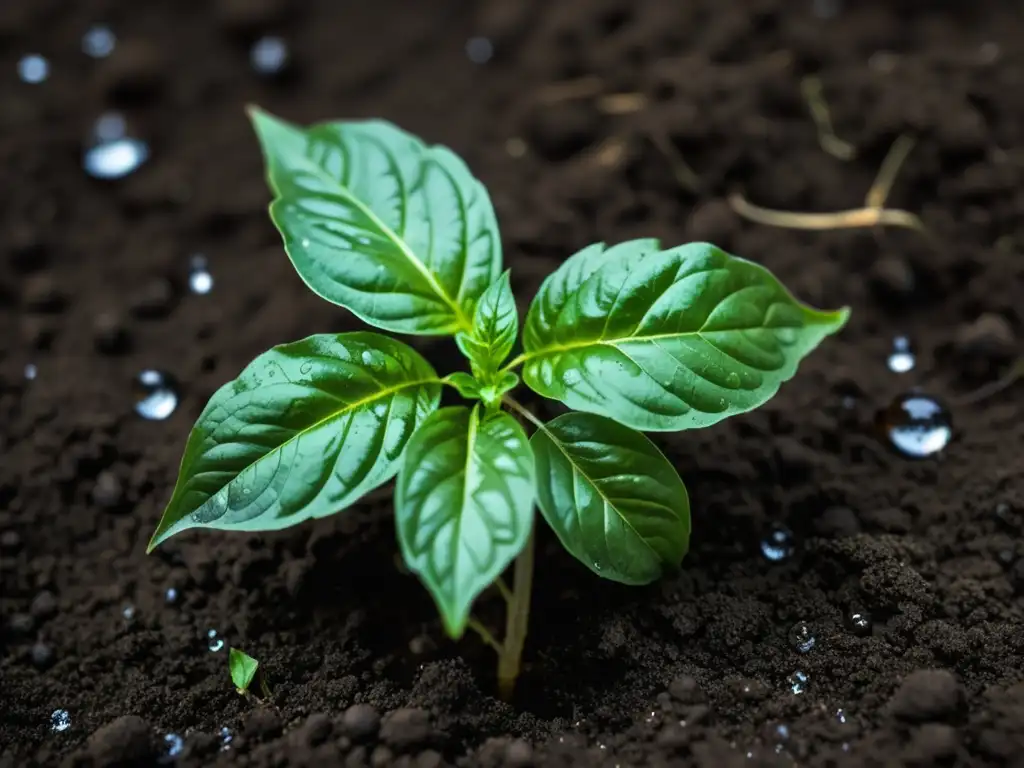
(907, 574)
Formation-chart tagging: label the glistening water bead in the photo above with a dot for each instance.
(60, 720)
(173, 746)
(859, 623)
(901, 358)
(916, 425)
(798, 681)
(214, 643)
(778, 543)
(110, 153)
(33, 69)
(200, 281)
(269, 55)
(98, 41)
(801, 637)
(158, 395)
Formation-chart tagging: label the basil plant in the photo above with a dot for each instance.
(632, 338)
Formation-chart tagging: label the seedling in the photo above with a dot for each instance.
(244, 669)
(633, 337)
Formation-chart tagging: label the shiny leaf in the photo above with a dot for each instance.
(304, 431)
(243, 669)
(464, 505)
(373, 219)
(667, 340)
(612, 498)
(495, 326)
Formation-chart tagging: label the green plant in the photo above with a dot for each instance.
(243, 669)
(632, 336)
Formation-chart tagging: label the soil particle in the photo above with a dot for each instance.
(41, 293)
(927, 694)
(361, 722)
(108, 492)
(110, 335)
(990, 337)
(134, 72)
(42, 655)
(124, 742)
(405, 729)
(154, 300)
(44, 606)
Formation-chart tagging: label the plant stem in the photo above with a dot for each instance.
(515, 362)
(516, 622)
(485, 635)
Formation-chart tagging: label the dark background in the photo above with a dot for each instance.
(691, 671)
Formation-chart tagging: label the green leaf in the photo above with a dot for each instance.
(243, 669)
(398, 232)
(464, 505)
(304, 431)
(666, 340)
(495, 326)
(613, 499)
(466, 385)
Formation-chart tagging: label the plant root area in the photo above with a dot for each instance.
(884, 628)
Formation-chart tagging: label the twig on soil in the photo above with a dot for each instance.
(814, 95)
(685, 175)
(571, 90)
(871, 215)
(986, 391)
(621, 103)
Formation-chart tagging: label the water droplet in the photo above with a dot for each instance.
(33, 68)
(366, 357)
(798, 681)
(98, 41)
(859, 622)
(158, 395)
(571, 377)
(226, 738)
(200, 281)
(60, 720)
(916, 425)
(732, 380)
(597, 566)
(841, 716)
(781, 732)
(778, 543)
(801, 637)
(171, 595)
(269, 55)
(128, 612)
(380, 410)
(305, 242)
(112, 154)
(31, 371)
(173, 746)
(479, 50)
(215, 643)
(901, 358)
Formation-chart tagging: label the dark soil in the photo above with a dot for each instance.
(692, 671)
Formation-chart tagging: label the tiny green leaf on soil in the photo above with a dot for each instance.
(304, 431)
(464, 505)
(243, 669)
(611, 497)
(631, 336)
(666, 340)
(373, 219)
(495, 327)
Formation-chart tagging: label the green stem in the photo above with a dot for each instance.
(515, 362)
(516, 622)
(485, 635)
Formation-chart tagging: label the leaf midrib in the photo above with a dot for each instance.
(460, 317)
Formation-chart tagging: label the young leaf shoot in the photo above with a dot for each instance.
(243, 669)
(632, 337)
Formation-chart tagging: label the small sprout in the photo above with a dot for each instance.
(243, 669)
